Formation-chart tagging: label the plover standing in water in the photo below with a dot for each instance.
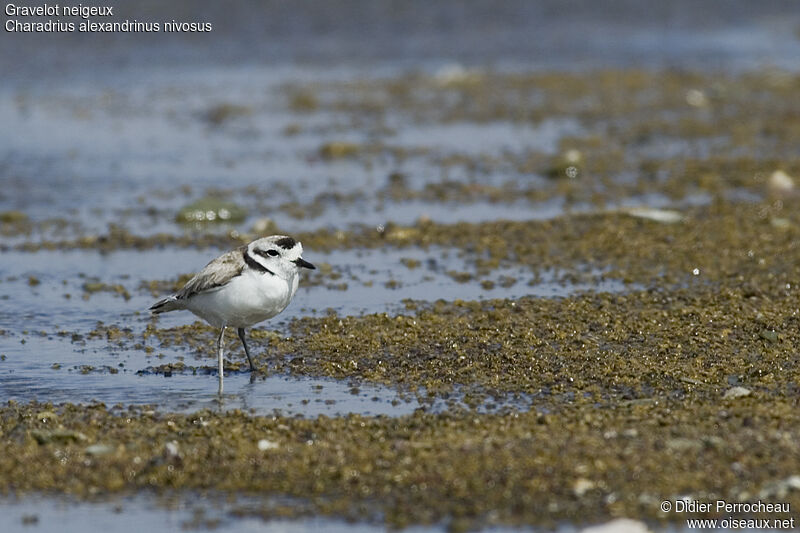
(242, 287)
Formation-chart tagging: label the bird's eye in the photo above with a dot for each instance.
(265, 253)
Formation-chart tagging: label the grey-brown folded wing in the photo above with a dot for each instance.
(215, 274)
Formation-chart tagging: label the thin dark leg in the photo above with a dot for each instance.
(240, 331)
(219, 356)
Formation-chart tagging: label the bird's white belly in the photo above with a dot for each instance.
(246, 300)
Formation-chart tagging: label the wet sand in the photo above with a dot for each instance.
(549, 295)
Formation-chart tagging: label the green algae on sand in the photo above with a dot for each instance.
(459, 468)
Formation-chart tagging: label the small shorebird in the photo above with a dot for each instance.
(242, 287)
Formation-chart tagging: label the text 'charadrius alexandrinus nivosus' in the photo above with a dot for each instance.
(242, 287)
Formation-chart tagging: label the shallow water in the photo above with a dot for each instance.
(95, 165)
(126, 131)
(280, 395)
(51, 356)
(200, 513)
(144, 513)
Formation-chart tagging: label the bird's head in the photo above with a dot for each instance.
(279, 254)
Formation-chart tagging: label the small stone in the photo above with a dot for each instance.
(573, 156)
(665, 216)
(171, 450)
(696, 98)
(264, 225)
(736, 392)
(265, 445)
(567, 163)
(58, 435)
(780, 182)
(454, 74)
(680, 444)
(780, 222)
(781, 489)
(769, 335)
(619, 525)
(98, 449)
(582, 486)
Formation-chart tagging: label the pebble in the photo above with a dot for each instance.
(781, 489)
(619, 525)
(780, 182)
(582, 486)
(665, 216)
(264, 225)
(171, 450)
(99, 449)
(696, 98)
(736, 392)
(265, 445)
(58, 435)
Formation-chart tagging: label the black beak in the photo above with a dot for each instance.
(303, 263)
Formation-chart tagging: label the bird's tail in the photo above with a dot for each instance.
(170, 303)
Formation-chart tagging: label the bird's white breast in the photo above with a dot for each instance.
(247, 299)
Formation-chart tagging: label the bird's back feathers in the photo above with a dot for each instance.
(214, 275)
